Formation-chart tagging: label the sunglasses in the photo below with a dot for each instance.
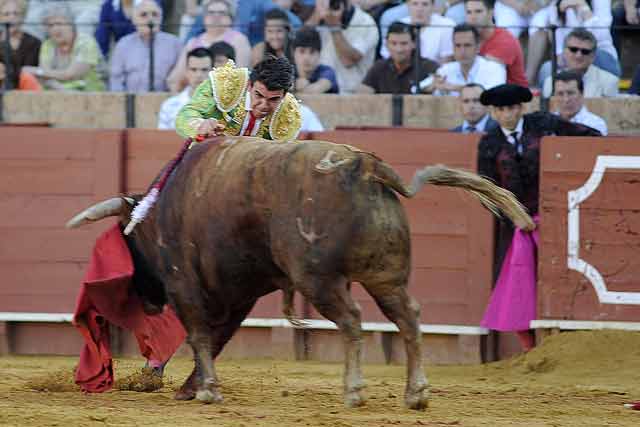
(145, 14)
(585, 52)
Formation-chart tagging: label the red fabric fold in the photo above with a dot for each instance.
(106, 297)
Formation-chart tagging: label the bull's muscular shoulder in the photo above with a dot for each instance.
(228, 85)
(286, 121)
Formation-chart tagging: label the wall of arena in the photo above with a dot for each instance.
(47, 175)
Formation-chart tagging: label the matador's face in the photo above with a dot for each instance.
(263, 100)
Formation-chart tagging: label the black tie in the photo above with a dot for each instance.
(517, 142)
(471, 129)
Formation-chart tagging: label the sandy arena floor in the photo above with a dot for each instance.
(573, 379)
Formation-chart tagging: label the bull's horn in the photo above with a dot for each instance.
(97, 212)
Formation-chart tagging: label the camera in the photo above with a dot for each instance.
(335, 4)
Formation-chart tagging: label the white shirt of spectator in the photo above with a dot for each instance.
(363, 36)
(597, 83)
(587, 118)
(479, 127)
(518, 130)
(310, 121)
(484, 71)
(436, 39)
(170, 108)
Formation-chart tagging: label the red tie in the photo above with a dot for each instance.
(252, 122)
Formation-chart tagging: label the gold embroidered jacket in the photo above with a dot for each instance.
(222, 96)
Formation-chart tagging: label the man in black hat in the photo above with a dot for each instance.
(510, 155)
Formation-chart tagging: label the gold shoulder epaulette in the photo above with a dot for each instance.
(286, 120)
(228, 84)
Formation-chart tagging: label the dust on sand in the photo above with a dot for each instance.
(572, 379)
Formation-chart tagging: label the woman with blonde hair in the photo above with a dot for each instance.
(24, 47)
(68, 60)
(218, 17)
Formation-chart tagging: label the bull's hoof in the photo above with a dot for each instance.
(208, 396)
(417, 401)
(185, 395)
(353, 399)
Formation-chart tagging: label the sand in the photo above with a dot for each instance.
(572, 379)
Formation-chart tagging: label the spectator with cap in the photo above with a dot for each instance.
(496, 43)
(310, 75)
(578, 55)
(199, 64)
(398, 74)
(349, 39)
(218, 17)
(68, 60)
(276, 37)
(435, 38)
(468, 67)
(24, 48)
(476, 116)
(131, 57)
(569, 95)
(509, 154)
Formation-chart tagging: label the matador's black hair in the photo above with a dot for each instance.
(274, 73)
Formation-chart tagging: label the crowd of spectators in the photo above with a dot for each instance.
(337, 46)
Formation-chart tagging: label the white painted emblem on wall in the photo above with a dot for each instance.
(578, 196)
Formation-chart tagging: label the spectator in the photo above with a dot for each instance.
(578, 55)
(453, 9)
(476, 116)
(25, 80)
(569, 91)
(635, 83)
(115, 23)
(130, 61)
(436, 31)
(397, 74)
(567, 15)
(84, 12)
(624, 14)
(496, 43)
(276, 37)
(349, 39)
(68, 60)
(199, 63)
(468, 67)
(310, 75)
(218, 17)
(192, 11)
(310, 121)
(516, 15)
(222, 52)
(250, 18)
(510, 155)
(24, 47)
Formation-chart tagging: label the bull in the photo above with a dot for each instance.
(243, 217)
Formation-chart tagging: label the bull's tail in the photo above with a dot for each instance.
(494, 198)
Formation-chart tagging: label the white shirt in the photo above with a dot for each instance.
(587, 118)
(484, 71)
(597, 83)
(247, 118)
(518, 130)
(171, 107)
(362, 35)
(310, 121)
(480, 126)
(436, 39)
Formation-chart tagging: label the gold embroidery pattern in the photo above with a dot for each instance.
(286, 120)
(228, 85)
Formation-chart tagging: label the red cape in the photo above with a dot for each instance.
(106, 297)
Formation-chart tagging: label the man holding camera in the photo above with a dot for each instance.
(349, 39)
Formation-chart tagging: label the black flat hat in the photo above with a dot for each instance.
(504, 95)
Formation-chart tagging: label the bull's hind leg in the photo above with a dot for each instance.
(404, 311)
(332, 299)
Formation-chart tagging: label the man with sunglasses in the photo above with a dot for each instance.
(578, 55)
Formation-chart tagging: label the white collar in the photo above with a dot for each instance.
(518, 130)
(480, 126)
(581, 112)
(473, 70)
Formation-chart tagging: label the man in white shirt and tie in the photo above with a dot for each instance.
(476, 116)
(569, 95)
(468, 67)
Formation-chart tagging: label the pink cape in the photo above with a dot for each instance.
(512, 306)
(106, 297)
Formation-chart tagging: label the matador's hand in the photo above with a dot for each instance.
(211, 127)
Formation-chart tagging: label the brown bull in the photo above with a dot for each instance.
(243, 217)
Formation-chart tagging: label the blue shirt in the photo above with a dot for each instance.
(325, 72)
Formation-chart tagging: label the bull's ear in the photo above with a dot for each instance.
(106, 208)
